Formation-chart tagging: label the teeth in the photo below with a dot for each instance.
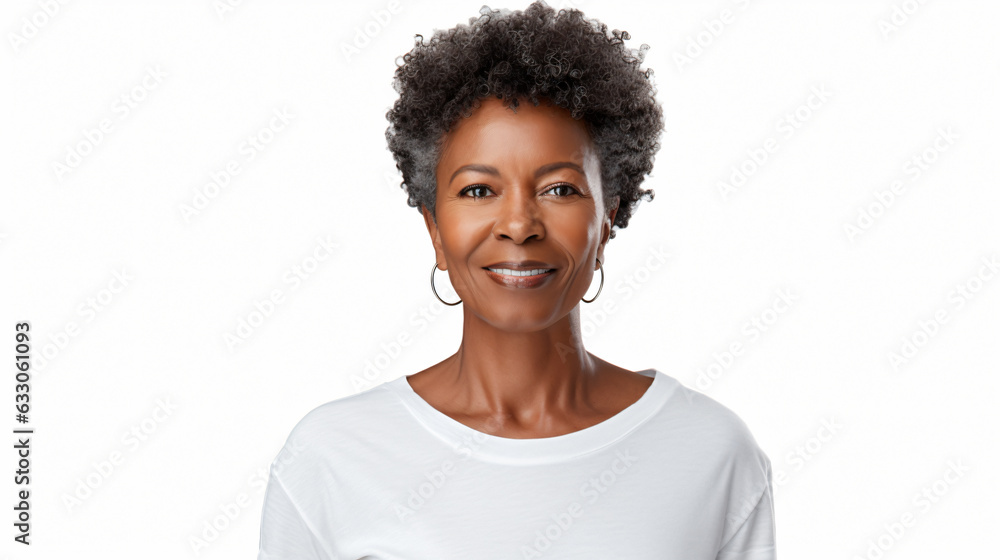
(510, 272)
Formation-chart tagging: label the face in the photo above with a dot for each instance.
(517, 187)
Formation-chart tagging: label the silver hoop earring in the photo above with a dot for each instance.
(433, 270)
(600, 264)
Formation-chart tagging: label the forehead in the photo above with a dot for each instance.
(532, 134)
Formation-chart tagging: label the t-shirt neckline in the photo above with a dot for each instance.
(469, 442)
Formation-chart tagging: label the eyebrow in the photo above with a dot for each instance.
(490, 170)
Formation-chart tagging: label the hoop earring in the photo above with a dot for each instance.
(599, 263)
(433, 270)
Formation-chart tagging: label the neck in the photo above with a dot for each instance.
(521, 375)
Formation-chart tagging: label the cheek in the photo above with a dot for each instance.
(569, 229)
(461, 237)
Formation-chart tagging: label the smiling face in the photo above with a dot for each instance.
(516, 188)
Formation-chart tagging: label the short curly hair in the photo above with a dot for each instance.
(564, 57)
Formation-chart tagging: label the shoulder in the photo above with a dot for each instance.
(713, 436)
(344, 411)
(728, 456)
(728, 448)
(712, 422)
(335, 429)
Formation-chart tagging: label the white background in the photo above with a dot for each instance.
(854, 439)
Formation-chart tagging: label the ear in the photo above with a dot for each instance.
(606, 231)
(435, 238)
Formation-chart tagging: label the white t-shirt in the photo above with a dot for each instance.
(384, 475)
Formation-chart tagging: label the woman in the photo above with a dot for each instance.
(522, 139)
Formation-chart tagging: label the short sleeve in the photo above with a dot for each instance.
(755, 538)
(284, 533)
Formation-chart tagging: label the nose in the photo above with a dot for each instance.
(520, 217)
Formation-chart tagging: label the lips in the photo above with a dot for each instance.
(520, 265)
(520, 274)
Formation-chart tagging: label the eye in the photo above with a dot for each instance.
(471, 188)
(564, 185)
(474, 188)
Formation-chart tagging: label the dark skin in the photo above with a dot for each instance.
(521, 370)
